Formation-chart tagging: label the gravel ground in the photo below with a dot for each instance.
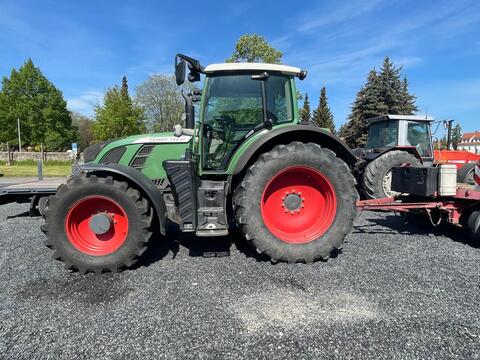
(396, 291)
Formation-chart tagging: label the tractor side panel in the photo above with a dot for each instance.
(153, 168)
(145, 153)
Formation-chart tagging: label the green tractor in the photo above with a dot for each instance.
(245, 162)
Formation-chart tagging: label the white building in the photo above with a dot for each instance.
(470, 142)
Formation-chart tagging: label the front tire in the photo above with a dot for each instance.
(296, 203)
(97, 224)
(465, 174)
(377, 179)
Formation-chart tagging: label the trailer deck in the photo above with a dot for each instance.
(30, 191)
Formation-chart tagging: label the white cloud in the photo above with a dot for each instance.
(347, 10)
(85, 102)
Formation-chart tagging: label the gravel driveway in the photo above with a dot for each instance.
(396, 291)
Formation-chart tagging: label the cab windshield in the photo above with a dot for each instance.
(418, 135)
(382, 134)
(234, 107)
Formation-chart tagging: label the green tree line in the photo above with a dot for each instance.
(29, 97)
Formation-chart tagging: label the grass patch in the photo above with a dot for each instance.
(32, 162)
(31, 170)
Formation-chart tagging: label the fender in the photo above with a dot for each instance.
(410, 149)
(135, 177)
(304, 133)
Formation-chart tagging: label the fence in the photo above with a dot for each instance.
(11, 156)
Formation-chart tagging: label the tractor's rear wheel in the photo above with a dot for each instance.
(97, 224)
(296, 203)
(377, 179)
(465, 174)
(474, 226)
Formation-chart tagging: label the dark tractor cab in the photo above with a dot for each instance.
(393, 140)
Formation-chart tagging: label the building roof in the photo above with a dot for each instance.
(401, 117)
(289, 70)
(470, 135)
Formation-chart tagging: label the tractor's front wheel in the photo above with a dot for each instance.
(97, 224)
(296, 203)
(377, 179)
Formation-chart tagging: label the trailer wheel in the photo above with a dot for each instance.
(296, 203)
(98, 224)
(42, 205)
(474, 226)
(377, 179)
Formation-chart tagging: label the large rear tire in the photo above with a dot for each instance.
(377, 179)
(474, 226)
(465, 174)
(97, 224)
(296, 203)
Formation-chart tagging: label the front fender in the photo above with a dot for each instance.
(137, 180)
(285, 135)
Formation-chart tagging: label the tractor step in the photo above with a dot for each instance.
(211, 211)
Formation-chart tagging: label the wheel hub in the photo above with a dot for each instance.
(292, 202)
(100, 223)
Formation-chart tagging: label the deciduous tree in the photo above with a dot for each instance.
(254, 48)
(456, 135)
(27, 95)
(118, 116)
(162, 101)
(83, 125)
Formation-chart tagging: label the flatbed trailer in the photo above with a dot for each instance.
(461, 209)
(34, 192)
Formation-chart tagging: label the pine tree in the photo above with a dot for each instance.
(124, 89)
(367, 104)
(384, 93)
(305, 114)
(118, 116)
(322, 115)
(30, 97)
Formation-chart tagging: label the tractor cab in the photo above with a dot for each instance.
(237, 100)
(394, 140)
(401, 131)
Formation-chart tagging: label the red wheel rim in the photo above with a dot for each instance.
(298, 204)
(80, 233)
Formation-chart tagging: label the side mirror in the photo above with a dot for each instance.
(180, 68)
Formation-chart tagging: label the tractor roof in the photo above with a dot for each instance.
(289, 70)
(401, 117)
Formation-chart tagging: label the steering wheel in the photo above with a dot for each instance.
(220, 125)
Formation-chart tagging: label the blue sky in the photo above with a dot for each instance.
(84, 47)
